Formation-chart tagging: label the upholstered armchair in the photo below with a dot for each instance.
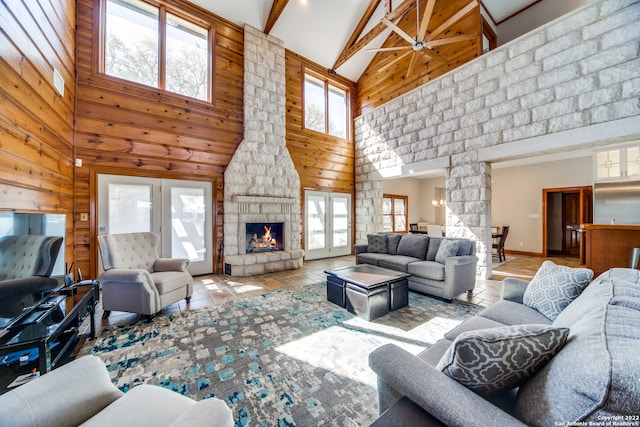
(136, 279)
(26, 263)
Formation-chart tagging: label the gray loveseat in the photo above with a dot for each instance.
(81, 393)
(593, 378)
(442, 272)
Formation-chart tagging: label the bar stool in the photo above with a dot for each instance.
(635, 257)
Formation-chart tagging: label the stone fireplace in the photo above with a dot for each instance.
(261, 184)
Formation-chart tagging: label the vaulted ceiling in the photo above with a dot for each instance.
(339, 34)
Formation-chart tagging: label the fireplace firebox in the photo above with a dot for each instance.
(265, 237)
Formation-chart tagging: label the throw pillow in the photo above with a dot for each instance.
(377, 243)
(554, 287)
(487, 360)
(447, 248)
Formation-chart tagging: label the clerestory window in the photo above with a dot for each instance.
(325, 106)
(151, 44)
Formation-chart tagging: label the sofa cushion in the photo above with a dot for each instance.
(554, 286)
(369, 258)
(392, 243)
(413, 245)
(377, 243)
(513, 313)
(473, 324)
(427, 269)
(448, 248)
(396, 262)
(596, 373)
(499, 358)
(432, 250)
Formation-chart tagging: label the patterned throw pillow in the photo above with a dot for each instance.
(377, 243)
(554, 287)
(487, 360)
(447, 248)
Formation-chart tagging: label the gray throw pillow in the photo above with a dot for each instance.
(377, 243)
(488, 360)
(554, 287)
(447, 248)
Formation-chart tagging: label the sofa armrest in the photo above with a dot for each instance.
(513, 289)
(459, 275)
(66, 396)
(359, 249)
(171, 264)
(206, 413)
(444, 398)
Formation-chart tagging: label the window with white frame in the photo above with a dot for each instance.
(153, 45)
(325, 106)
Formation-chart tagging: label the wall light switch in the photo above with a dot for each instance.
(84, 216)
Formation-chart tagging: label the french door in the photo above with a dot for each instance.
(178, 211)
(327, 224)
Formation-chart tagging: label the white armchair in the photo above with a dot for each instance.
(136, 279)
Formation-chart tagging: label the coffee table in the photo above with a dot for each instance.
(367, 290)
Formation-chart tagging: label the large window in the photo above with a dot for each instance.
(325, 107)
(394, 213)
(154, 46)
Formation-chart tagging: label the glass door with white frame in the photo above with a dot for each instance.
(178, 211)
(327, 224)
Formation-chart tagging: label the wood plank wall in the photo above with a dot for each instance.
(376, 88)
(324, 162)
(129, 129)
(36, 123)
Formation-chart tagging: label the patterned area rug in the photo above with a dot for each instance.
(284, 358)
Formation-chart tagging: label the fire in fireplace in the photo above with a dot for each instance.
(265, 237)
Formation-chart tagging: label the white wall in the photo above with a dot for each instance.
(535, 16)
(517, 193)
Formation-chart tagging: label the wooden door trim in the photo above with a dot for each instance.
(545, 208)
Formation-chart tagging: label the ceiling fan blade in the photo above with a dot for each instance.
(453, 39)
(426, 17)
(436, 55)
(462, 12)
(387, 49)
(384, 67)
(398, 30)
(411, 64)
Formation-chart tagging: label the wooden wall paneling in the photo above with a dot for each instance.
(131, 129)
(323, 162)
(36, 123)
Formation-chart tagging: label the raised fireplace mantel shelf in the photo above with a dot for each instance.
(263, 199)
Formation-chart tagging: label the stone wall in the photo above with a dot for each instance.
(261, 183)
(570, 84)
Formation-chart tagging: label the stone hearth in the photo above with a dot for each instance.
(261, 183)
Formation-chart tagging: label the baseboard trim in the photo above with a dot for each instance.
(538, 254)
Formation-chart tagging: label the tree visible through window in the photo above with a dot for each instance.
(132, 39)
(325, 107)
(394, 213)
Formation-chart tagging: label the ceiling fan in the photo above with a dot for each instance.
(423, 42)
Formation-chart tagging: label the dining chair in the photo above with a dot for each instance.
(499, 246)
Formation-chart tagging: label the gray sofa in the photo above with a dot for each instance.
(592, 378)
(80, 393)
(26, 263)
(433, 270)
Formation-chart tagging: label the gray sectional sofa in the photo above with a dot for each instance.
(442, 270)
(592, 379)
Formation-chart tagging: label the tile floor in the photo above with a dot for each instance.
(219, 288)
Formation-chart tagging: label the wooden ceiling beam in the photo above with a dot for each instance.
(352, 47)
(276, 10)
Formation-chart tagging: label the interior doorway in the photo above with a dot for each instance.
(565, 210)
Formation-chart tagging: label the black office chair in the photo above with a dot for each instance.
(499, 246)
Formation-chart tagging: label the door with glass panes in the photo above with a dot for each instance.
(327, 224)
(178, 211)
